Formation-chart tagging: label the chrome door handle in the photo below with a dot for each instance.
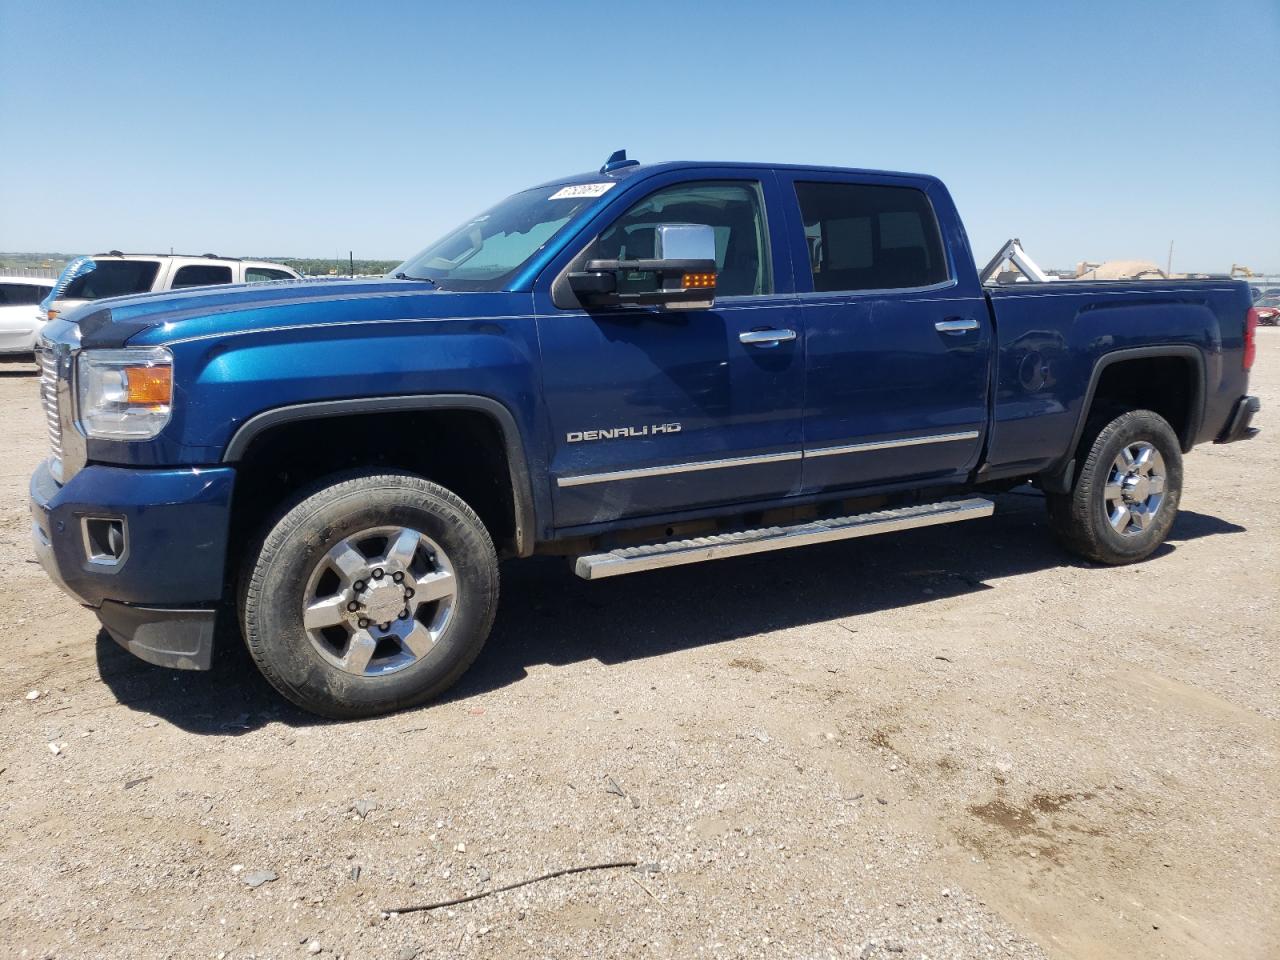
(766, 338)
(956, 325)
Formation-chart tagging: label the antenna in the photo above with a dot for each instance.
(617, 160)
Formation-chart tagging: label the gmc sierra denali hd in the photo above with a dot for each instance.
(642, 366)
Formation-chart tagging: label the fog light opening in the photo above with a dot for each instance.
(105, 540)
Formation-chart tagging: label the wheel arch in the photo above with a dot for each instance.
(524, 522)
(1059, 478)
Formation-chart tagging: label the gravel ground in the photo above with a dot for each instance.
(954, 742)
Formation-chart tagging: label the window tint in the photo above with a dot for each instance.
(863, 237)
(262, 274)
(21, 294)
(733, 209)
(201, 275)
(113, 278)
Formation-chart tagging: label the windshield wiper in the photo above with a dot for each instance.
(404, 276)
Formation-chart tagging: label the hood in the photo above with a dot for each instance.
(227, 310)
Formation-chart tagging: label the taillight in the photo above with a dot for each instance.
(1250, 337)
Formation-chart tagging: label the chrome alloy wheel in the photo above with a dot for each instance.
(379, 600)
(1135, 488)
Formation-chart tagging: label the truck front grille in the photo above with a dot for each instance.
(49, 401)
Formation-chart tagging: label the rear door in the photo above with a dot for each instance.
(657, 411)
(897, 343)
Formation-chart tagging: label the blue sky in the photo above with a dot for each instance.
(1090, 130)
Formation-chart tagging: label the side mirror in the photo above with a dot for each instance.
(681, 275)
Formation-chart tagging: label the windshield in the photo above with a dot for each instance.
(484, 252)
(112, 278)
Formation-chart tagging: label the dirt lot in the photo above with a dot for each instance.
(954, 742)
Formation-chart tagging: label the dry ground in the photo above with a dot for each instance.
(954, 742)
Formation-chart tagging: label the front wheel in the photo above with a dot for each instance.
(1126, 493)
(373, 593)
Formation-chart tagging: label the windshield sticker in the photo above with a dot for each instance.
(579, 190)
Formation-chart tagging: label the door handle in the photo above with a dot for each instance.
(955, 325)
(766, 338)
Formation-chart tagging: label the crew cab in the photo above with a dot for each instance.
(637, 367)
(117, 274)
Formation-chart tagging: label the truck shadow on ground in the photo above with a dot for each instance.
(549, 616)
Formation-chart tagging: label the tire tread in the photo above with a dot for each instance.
(297, 511)
(1072, 515)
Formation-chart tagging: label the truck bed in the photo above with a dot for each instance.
(1051, 337)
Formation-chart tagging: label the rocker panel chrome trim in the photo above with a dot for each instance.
(890, 444)
(578, 480)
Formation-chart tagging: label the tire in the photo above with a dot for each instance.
(420, 545)
(1091, 520)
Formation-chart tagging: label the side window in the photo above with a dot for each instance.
(734, 209)
(21, 294)
(262, 274)
(201, 275)
(864, 237)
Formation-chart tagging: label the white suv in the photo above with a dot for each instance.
(117, 274)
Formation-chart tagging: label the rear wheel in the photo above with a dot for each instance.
(370, 594)
(1126, 493)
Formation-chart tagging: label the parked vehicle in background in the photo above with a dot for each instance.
(637, 367)
(117, 274)
(21, 318)
(1268, 306)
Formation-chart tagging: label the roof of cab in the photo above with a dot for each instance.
(650, 169)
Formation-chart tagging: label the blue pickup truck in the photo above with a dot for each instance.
(638, 367)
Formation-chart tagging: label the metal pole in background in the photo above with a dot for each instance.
(1168, 267)
(351, 260)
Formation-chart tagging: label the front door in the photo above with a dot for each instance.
(656, 411)
(897, 348)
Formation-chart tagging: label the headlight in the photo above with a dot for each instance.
(124, 394)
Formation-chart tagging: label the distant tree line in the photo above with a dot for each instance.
(315, 266)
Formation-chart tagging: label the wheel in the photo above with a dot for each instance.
(370, 593)
(1126, 492)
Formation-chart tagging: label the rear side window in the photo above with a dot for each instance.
(113, 278)
(200, 275)
(262, 274)
(21, 294)
(863, 237)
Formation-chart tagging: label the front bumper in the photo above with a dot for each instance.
(157, 587)
(1240, 427)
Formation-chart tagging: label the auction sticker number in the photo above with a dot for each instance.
(579, 190)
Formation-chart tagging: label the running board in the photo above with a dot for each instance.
(651, 556)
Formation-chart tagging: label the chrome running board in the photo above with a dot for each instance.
(651, 556)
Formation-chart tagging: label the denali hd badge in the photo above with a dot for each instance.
(622, 433)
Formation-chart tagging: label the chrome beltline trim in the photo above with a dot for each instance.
(581, 479)
(890, 444)
(584, 478)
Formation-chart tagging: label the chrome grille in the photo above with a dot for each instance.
(49, 401)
